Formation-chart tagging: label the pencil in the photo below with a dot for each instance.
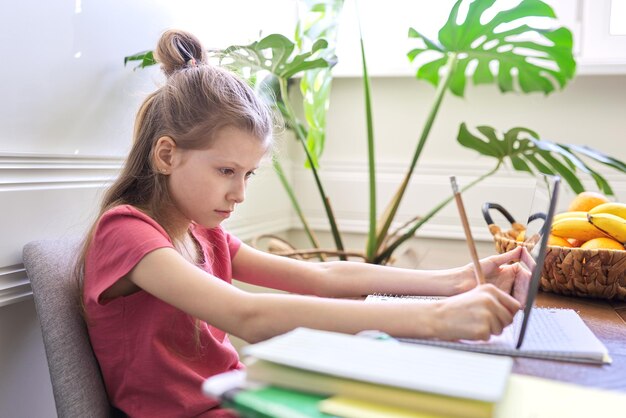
(468, 234)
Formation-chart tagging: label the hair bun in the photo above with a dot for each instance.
(177, 50)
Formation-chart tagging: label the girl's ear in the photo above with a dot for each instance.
(163, 154)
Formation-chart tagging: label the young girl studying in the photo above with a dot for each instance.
(157, 266)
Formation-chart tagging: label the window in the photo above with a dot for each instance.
(618, 18)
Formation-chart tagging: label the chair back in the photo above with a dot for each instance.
(76, 380)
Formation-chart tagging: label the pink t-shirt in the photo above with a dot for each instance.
(150, 360)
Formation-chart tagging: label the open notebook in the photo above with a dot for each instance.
(557, 334)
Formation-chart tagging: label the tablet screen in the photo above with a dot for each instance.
(536, 239)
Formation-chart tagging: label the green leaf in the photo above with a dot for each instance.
(146, 59)
(520, 165)
(568, 175)
(532, 158)
(468, 140)
(541, 59)
(497, 145)
(318, 26)
(430, 71)
(543, 144)
(602, 183)
(528, 153)
(599, 156)
(275, 54)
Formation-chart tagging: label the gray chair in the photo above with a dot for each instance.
(76, 380)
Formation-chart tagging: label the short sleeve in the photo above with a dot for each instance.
(234, 244)
(123, 236)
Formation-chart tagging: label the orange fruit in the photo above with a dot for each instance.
(521, 236)
(575, 242)
(558, 241)
(585, 201)
(602, 243)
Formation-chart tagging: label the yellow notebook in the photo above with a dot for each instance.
(344, 407)
(526, 397)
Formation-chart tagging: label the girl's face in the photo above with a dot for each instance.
(206, 185)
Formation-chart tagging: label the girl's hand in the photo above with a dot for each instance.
(475, 315)
(513, 279)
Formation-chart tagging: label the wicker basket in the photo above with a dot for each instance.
(568, 271)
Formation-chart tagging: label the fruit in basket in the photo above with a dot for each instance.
(575, 242)
(585, 201)
(613, 225)
(521, 236)
(614, 208)
(577, 228)
(568, 214)
(602, 244)
(558, 241)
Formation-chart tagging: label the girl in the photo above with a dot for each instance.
(157, 266)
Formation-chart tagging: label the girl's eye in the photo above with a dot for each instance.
(250, 174)
(227, 171)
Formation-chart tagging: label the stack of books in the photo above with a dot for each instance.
(318, 373)
(309, 373)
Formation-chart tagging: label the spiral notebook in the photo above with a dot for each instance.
(556, 334)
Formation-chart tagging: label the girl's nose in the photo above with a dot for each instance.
(238, 192)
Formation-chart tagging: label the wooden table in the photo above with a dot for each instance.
(607, 320)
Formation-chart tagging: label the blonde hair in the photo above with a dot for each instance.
(196, 101)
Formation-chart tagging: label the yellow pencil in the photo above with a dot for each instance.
(468, 234)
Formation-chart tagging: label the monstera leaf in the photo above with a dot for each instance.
(318, 20)
(274, 54)
(527, 152)
(503, 49)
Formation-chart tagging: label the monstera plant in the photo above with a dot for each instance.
(516, 57)
(519, 58)
(504, 51)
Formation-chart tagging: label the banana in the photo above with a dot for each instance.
(614, 208)
(613, 225)
(570, 214)
(577, 228)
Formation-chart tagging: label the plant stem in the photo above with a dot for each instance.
(391, 210)
(294, 202)
(384, 256)
(302, 139)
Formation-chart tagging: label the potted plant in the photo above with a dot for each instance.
(520, 58)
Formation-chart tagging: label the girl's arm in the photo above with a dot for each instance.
(353, 279)
(254, 317)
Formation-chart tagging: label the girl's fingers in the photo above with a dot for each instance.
(496, 325)
(499, 306)
(493, 263)
(504, 258)
(509, 302)
(527, 259)
(504, 299)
